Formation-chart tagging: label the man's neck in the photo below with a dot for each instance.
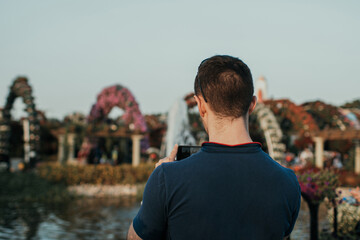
(227, 131)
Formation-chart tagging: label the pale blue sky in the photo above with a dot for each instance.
(71, 49)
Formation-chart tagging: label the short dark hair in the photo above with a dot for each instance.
(226, 84)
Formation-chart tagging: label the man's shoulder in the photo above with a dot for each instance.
(184, 163)
(287, 180)
(276, 171)
(285, 172)
(184, 167)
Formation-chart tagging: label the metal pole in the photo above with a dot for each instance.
(26, 127)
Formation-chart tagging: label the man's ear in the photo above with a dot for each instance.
(201, 106)
(252, 104)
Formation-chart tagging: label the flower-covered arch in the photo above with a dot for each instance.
(332, 118)
(271, 129)
(302, 121)
(118, 96)
(326, 115)
(294, 120)
(132, 121)
(20, 88)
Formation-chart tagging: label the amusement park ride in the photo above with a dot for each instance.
(281, 123)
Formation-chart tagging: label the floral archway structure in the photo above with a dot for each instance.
(131, 123)
(296, 120)
(20, 88)
(118, 96)
(271, 130)
(303, 122)
(326, 115)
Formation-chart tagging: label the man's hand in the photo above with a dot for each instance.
(170, 158)
(132, 234)
(356, 194)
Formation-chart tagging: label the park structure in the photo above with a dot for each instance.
(20, 88)
(126, 134)
(316, 124)
(280, 124)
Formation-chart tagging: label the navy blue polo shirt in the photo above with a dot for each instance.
(221, 192)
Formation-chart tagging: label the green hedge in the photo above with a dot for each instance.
(95, 174)
(29, 187)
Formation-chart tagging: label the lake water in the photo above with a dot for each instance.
(94, 219)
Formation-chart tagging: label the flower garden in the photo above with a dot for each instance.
(104, 147)
(324, 186)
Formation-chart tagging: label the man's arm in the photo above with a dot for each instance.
(151, 210)
(132, 234)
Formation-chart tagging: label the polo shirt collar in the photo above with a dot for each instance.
(219, 147)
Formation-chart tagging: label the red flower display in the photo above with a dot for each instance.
(326, 115)
(118, 96)
(302, 121)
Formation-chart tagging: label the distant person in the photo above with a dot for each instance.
(91, 156)
(289, 158)
(306, 157)
(231, 189)
(356, 194)
(346, 161)
(115, 155)
(98, 155)
(337, 163)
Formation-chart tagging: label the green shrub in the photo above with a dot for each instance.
(95, 174)
(28, 187)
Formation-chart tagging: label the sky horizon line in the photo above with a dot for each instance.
(71, 50)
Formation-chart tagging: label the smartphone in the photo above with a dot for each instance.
(186, 151)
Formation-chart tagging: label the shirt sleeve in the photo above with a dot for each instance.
(295, 213)
(150, 222)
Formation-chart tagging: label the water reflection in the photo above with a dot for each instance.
(94, 219)
(80, 219)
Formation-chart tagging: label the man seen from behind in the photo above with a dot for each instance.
(230, 189)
